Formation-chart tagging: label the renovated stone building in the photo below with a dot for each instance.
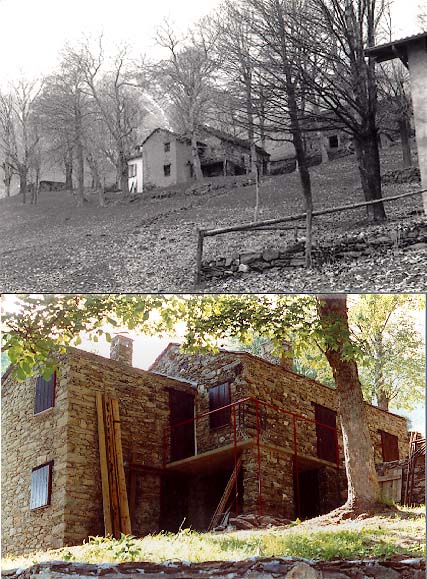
(164, 158)
(187, 424)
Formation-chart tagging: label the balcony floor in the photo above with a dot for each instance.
(223, 457)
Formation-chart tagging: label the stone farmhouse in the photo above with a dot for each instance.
(199, 435)
(164, 158)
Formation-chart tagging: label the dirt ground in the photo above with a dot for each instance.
(148, 245)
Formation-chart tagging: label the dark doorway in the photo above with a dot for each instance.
(309, 495)
(181, 407)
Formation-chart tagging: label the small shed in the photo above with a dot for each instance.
(412, 51)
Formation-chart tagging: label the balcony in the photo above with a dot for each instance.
(199, 444)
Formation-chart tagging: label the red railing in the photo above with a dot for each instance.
(243, 424)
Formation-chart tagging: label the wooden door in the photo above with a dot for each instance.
(309, 493)
(181, 406)
(391, 484)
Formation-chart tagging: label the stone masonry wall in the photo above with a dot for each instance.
(144, 414)
(28, 441)
(278, 386)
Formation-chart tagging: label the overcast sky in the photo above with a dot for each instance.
(34, 31)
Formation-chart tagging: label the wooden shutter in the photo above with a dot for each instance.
(219, 396)
(390, 446)
(326, 438)
(41, 486)
(45, 393)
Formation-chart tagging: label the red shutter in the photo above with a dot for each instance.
(390, 446)
(326, 438)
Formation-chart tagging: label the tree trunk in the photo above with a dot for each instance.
(370, 174)
(123, 173)
(68, 164)
(197, 167)
(405, 143)
(383, 401)
(97, 184)
(23, 185)
(363, 487)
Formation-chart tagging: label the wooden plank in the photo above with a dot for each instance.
(224, 499)
(112, 468)
(125, 525)
(108, 526)
(199, 255)
(132, 492)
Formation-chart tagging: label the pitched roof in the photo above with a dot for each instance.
(394, 49)
(231, 138)
(178, 137)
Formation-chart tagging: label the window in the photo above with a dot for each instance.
(326, 438)
(333, 142)
(45, 393)
(167, 147)
(132, 170)
(41, 486)
(166, 170)
(219, 396)
(390, 446)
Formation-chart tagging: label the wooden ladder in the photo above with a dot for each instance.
(224, 499)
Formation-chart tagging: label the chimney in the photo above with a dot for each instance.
(122, 349)
(285, 360)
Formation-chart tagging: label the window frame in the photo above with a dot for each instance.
(220, 419)
(53, 397)
(167, 147)
(167, 170)
(49, 466)
(322, 432)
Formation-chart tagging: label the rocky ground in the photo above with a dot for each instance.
(149, 244)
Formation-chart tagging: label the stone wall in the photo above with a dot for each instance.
(28, 441)
(144, 415)
(255, 567)
(251, 376)
(348, 247)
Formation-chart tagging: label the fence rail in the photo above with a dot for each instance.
(202, 233)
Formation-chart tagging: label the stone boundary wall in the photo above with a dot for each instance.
(257, 568)
(348, 248)
(419, 486)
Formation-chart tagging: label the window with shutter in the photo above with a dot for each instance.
(219, 396)
(41, 486)
(326, 438)
(45, 393)
(390, 446)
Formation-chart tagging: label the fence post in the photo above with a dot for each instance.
(199, 255)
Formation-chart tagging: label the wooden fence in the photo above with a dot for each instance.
(270, 223)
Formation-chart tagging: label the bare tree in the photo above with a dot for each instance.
(343, 82)
(186, 77)
(18, 137)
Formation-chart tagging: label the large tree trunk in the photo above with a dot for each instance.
(197, 167)
(363, 487)
(68, 165)
(370, 173)
(123, 174)
(23, 183)
(405, 143)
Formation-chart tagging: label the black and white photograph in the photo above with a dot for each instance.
(248, 145)
(213, 289)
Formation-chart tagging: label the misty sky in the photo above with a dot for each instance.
(33, 32)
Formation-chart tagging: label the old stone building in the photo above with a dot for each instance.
(164, 158)
(186, 425)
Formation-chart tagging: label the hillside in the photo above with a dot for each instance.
(149, 244)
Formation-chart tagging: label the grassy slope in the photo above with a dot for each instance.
(150, 244)
(379, 536)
